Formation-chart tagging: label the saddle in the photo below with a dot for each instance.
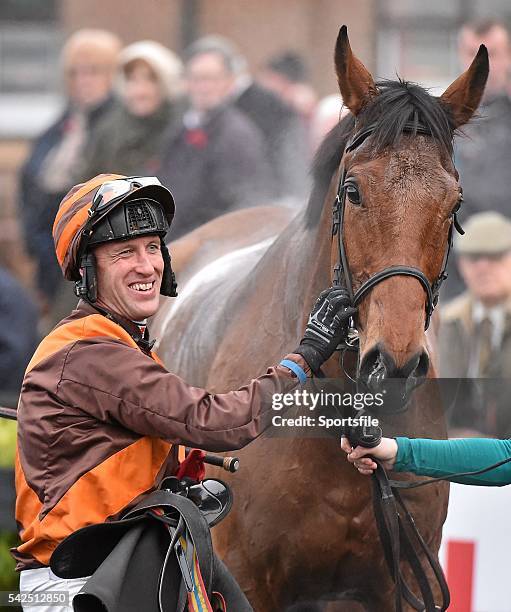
(158, 557)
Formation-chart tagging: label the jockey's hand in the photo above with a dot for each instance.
(327, 326)
(386, 451)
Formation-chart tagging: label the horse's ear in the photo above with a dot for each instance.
(463, 96)
(355, 81)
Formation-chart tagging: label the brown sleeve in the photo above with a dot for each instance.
(116, 383)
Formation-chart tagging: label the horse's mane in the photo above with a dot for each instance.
(399, 102)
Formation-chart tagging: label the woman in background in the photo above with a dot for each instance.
(151, 88)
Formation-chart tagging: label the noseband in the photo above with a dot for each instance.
(342, 274)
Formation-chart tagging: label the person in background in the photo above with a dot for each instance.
(18, 336)
(285, 137)
(475, 328)
(216, 160)
(89, 60)
(483, 157)
(129, 140)
(483, 150)
(286, 75)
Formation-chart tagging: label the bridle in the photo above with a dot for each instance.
(342, 274)
(395, 524)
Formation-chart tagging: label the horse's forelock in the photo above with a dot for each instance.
(399, 102)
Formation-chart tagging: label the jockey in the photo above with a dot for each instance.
(100, 419)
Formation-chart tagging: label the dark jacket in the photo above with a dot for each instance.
(18, 333)
(483, 159)
(214, 169)
(99, 419)
(38, 207)
(285, 139)
(126, 144)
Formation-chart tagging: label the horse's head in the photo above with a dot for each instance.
(399, 189)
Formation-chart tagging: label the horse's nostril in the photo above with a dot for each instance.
(377, 365)
(423, 366)
(416, 367)
(373, 369)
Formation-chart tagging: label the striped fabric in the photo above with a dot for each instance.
(70, 221)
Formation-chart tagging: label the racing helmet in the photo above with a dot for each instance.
(106, 208)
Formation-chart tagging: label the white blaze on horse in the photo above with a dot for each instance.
(302, 527)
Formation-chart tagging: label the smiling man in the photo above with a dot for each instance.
(100, 419)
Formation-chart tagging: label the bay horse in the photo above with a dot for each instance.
(302, 528)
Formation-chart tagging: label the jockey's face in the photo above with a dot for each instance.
(129, 275)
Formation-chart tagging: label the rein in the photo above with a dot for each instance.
(399, 530)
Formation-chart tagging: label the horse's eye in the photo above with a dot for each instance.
(352, 193)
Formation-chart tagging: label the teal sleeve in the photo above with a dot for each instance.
(445, 457)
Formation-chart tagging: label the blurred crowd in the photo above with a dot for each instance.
(475, 328)
(222, 138)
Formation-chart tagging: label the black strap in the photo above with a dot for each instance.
(194, 521)
(410, 127)
(397, 529)
(396, 534)
(398, 270)
(8, 413)
(192, 524)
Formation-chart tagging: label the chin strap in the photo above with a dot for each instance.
(87, 287)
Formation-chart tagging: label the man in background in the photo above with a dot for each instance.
(475, 331)
(285, 137)
(286, 75)
(483, 151)
(215, 159)
(484, 156)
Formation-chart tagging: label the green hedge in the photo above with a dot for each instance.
(7, 442)
(8, 577)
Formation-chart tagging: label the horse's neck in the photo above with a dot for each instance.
(305, 254)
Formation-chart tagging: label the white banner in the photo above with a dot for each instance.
(476, 548)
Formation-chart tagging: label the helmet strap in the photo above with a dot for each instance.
(87, 286)
(168, 283)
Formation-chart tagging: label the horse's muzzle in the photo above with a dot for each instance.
(379, 373)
